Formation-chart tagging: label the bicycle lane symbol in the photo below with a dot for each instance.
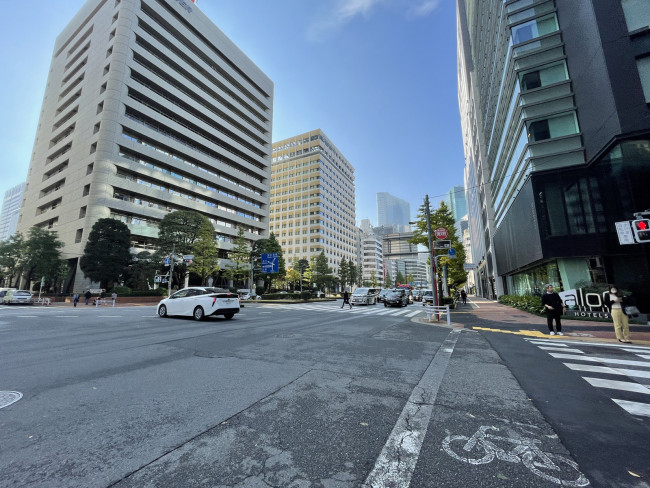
(481, 448)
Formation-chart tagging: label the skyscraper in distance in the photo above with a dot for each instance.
(11, 211)
(393, 211)
(149, 109)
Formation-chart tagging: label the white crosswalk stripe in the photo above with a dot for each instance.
(370, 310)
(625, 380)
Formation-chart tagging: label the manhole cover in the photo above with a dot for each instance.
(9, 397)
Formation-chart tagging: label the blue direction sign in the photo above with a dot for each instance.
(451, 252)
(270, 263)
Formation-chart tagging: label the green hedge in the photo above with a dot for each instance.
(281, 296)
(123, 291)
(527, 303)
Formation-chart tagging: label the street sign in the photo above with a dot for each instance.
(441, 233)
(187, 258)
(624, 231)
(270, 263)
(452, 253)
(166, 261)
(470, 266)
(442, 244)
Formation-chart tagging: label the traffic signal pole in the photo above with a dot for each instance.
(433, 256)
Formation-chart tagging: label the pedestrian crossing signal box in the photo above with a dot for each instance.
(641, 229)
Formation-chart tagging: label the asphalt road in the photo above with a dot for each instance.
(289, 396)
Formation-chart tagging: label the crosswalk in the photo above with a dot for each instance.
(366, 310)
(620, 370)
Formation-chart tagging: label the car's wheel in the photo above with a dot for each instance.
(228, 316)
(198, 314)
(162, 311)
(385, 304)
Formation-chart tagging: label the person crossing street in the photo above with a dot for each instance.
(346, 299)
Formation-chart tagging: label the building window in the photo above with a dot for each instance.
(79, 234)
(534, 28)
(562, 125)
(82, 212)
(643, 64)
(637, 14)
(100, 107)
(93, 147)
(89, 168)
(543, 76)
(86, 190)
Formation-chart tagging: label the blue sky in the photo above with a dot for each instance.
(377, 76)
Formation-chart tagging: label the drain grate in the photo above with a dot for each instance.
(9, 397)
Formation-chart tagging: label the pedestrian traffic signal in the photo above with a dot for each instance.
(641, 230)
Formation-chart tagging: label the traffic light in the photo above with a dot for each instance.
(641, 230)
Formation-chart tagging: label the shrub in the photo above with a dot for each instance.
(305, 295)
(281, 296)
(527, 303)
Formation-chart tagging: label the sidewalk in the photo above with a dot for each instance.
(573, 329)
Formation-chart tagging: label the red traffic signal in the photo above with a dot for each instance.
(641, 230)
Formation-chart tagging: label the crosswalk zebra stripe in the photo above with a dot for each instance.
(604, 369)
(413, 314)
(617, 385)
(644, 356)
(616, 345)
(635, 408)
(545, 343)
(642, 364)
(558, 349)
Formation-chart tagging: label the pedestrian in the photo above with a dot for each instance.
(615, 302)
(463, 296)
(114, 297)
(75, 299)
(87, 295)
(554, 309)
(346, 299)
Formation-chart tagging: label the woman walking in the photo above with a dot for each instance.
(554, 309)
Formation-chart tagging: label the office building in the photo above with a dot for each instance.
(455, 200)
(373, 258)
(149, 108)
(393, 211)
(313, 199)
(402, 256)
(554, 100)
(11, 211)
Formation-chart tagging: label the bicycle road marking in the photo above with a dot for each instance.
(396, 463)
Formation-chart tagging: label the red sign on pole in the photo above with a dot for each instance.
(441, 233)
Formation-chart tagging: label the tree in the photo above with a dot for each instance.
(293, 277)
(240, 256)
(387, 281)
(322, 273)
(177, 233)
(373, 279)
(267, 246)
(353, 273)
(107, 252)
(12, 258)
(143, 269)
(442, 217)
(42, 256)
(206, 253)
(344, 273)
(399, 279)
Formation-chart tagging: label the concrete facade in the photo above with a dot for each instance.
(149, 108)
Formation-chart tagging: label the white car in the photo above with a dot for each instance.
(18, 296)
(364, 296)
(200, 302)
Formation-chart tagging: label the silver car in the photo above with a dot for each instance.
(364, 296)
(23, 297)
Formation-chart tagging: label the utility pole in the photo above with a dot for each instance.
(171, 270)
(433, 257)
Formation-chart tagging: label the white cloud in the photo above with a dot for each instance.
(423, 8)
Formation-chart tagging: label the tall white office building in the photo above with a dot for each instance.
(149, 108)
(11, 211)
(393, 212)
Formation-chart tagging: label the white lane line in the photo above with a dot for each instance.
(545, 343)
(66, 316)
(396, 463)
(472, 303)
(413, 314)
(635, 408)
(575, 357)
(108, 316)
(27, 316)
(616, 345)
(604, 369)
(644, 356)
(557, 349)
(617, 385)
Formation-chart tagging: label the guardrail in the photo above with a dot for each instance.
(42, 301)
(438, 310)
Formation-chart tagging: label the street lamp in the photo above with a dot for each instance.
(433, 257)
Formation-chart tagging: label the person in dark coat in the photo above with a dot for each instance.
(346, 299)
(555, 307)
(463, 296)
(88, 295)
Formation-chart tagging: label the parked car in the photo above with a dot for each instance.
(397, 298)
(364, 296)
(200, 302)
(417, 295)
(22, 297)
(427, 297)
(382, 294)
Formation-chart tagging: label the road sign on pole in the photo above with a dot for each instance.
(624, 231)
(441, 233)
(270, 263)
(451, 253)
(442, 244)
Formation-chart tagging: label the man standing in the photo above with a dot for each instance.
(346, 299)
(463, 296)
(114, 297)
(75, 299)
(554, 309)
(88, 295)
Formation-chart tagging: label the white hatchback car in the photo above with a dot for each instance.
(200, 302)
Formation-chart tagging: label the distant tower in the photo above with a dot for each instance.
(393, 211)
(11, 211)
